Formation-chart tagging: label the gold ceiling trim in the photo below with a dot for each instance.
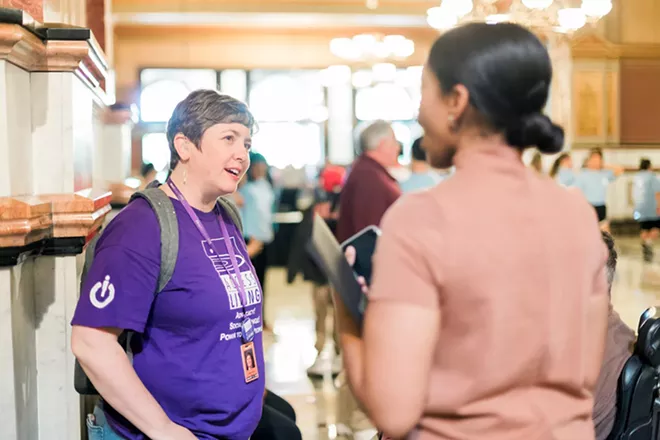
(595, 47)
(397, 7)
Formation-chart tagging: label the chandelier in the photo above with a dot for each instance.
(372, 47)
(560, 16)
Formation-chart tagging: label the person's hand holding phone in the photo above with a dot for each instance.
(351, 255)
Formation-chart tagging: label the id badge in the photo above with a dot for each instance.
(247, 330)
(249, 361)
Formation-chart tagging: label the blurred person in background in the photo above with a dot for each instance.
(422, 175)
(453, 345)
(618, 349)
(594, 179)
(369, 191)
(646, 192)
(148, 174)
(327, 193)
(257, 212)
(537, 162)
(562, 170)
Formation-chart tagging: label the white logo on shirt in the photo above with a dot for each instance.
(223, 266)
(107, 293)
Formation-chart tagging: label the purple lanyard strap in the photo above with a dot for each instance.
(205, 235)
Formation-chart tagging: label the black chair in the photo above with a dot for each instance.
(638, 401)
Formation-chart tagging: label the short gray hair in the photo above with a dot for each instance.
(201, 110)
(371, 136)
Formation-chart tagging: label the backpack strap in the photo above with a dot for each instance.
(230, 208)
(89, 257)
(169, 231)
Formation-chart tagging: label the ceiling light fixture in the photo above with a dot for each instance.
(372, 47)
(552, 16)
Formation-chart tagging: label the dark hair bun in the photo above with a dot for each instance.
(537, 130)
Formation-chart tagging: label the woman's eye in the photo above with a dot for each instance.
(230, 138)
(248, 146)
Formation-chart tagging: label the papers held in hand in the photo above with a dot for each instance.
(329, 257)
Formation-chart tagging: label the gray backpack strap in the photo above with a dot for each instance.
(169, 231)
(230, 208)
(90, 250)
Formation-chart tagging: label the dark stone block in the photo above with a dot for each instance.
(58, 31)
(60, 247)
(11, 16)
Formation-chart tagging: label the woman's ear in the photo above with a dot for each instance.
(182, 146)
(458, 101)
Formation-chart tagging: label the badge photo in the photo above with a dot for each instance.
(249, 360)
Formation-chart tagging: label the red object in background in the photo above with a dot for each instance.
(332, 177)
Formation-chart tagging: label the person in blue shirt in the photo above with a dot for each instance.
(258, 200)
(422, 176)
(562, 170)
(593, 180)
(646, 191)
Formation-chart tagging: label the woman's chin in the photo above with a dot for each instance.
(227, 187)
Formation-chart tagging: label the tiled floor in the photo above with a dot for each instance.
(291, 349)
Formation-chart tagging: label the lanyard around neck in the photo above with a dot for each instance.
(207, 237)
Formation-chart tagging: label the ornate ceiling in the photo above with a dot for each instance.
(273, 13)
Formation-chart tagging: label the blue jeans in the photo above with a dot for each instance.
(98, 427)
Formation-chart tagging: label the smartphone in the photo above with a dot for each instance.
(364, 243)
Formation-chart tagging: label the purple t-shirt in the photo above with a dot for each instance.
(186, 348)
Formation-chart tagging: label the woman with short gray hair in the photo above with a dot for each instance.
(188, 378)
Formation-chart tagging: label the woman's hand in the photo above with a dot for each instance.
(254, 247)
(351, 255)
(176, 432)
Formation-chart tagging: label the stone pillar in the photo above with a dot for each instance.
(340, 106)
(48, 90)
(72, 12)
(18, 391)
(560, 93)
(112, 162)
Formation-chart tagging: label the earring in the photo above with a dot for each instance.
(185, 176)
(452, 122)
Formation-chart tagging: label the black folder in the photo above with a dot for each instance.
(326, 252)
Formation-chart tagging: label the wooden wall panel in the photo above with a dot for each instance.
(612, 80)
(639, 21)
(588, 103)
(640, 101)
(595, 102)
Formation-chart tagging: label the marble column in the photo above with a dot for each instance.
(340, 108)
(560, 110)
(47, 210)
(55, 98)
(112, 160)
(18, 391)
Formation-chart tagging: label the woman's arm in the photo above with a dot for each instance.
(389, 365)
(388, 369)
(111, 372)
(616, 169)
(254, 247)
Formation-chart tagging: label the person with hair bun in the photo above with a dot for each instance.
(488, 301)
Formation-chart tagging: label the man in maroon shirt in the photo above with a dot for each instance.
(368, 192)
(370, 189)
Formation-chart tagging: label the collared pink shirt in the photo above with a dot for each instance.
(515, 265)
